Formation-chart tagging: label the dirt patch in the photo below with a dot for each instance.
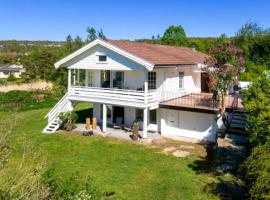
(180, 154)
(169, 146)
(42, 85)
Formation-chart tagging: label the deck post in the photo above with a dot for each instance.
(69, 78)
(78, 76)
(104, 118)
(86, 77)
(145, 122)
(145, 86)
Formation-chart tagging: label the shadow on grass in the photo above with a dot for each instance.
(230, 177)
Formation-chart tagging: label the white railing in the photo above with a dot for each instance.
(61, 106)
(115, 94)
(169, 95)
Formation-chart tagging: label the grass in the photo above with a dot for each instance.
(128, 170)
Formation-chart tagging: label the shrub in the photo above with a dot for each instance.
(257, 101)
(71, 187)
(68, 119)
(258, 172)
(26, 100)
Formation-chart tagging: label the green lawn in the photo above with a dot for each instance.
(127, 170)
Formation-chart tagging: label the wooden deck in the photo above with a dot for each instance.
(202, 102)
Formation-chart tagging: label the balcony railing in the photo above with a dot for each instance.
(114, 95)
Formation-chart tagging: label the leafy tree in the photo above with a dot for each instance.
(39, 64)
(92, 34)
(257, 101)
(101, 35)
(174, 35)
(223, 67)
(68, 43)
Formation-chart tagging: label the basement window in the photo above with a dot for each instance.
(102, 58)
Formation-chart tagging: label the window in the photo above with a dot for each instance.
(90, 78)
(153, 116)
(152, 80)
(102, 58)
(181, 80)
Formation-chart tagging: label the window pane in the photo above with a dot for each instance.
(181, 79)
(152, 80)
(102, 58)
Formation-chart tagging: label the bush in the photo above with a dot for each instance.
(258, 172)
(257, 101)
(26, 100)
(71, 187)
(68, 119)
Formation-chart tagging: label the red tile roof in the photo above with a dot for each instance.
(161, 55)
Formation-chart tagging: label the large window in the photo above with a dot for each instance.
(152, 80)
(181, 80)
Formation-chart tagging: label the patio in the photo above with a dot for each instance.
(118, 133)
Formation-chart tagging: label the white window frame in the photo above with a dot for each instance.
(181, 76)
(152, 77)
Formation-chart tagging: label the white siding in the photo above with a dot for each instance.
(168, 79)
(89, 60)
(199, 126)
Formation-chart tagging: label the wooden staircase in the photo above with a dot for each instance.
(54, 122)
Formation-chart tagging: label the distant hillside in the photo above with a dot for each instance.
(22, 46)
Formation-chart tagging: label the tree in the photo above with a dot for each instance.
(174, 35)
(78, 43)
(92, 34)
(257, 101)
(247, 34)
(101, 35)
(68, 44)
(223, 67)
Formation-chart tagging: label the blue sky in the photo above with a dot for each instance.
(130, 19)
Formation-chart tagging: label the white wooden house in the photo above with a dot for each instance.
(163, 86)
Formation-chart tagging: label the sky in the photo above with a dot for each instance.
(126, 19)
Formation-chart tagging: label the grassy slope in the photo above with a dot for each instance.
(131, 171)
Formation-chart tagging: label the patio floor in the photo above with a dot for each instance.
(117, 133)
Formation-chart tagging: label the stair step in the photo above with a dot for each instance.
(238, 122)
(236, 131)
(238, 117)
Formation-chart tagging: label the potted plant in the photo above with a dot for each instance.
(135, 131)
(68, 119)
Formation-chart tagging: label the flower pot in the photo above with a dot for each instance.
(69, 127)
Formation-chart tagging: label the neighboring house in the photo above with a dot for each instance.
(162, 86)
(15, 70)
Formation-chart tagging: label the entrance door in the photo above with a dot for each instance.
(118, 114)
(172, 121)
(204, 82)
(118, 79)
